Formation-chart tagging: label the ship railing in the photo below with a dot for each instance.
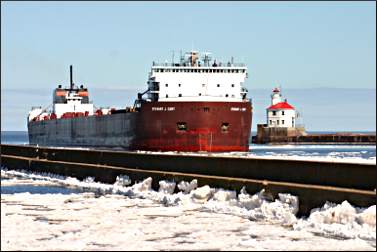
(220, 64)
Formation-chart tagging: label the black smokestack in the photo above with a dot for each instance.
(70, 72)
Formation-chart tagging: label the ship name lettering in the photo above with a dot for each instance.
(237, 109)
(163, 108)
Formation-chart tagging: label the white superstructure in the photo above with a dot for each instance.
(195, 80)
(67, 102)
(73, 103)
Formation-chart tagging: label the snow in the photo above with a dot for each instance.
(122, 216)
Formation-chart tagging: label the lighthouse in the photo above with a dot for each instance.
(280, 113)
(281, 124)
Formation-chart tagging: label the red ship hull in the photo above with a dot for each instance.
(207, 126)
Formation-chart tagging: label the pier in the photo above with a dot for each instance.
(338, 138)
(314, 182)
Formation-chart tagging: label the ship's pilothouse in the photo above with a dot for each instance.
(197, 79)
(67, 103)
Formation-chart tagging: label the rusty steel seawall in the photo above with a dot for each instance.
(339, 174)
(314, 182)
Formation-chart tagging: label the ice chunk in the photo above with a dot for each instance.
(250, 202)
(224, 195)
(291, 201)
(368, 216)
(187, 187)
(166, 187)
(145, 185)
(331, 213)
(122, 180)
(89, 180)
(202, 193)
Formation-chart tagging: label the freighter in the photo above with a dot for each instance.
(197, 104)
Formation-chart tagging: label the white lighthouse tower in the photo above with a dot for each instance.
(280, 113)
(281, 124)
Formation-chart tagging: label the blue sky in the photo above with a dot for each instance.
(112, 45)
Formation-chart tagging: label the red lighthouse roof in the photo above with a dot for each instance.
(281, 105)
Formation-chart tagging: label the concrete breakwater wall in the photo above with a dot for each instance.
(314, 182)
(299, 136)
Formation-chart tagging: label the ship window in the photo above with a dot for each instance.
(203, 85)
(200, 94)
(206, 109)
(282, 112)
(179, 85)
(218, 85)
(226, 95)
(166, 85)
(273, 112)
(180, 95)
(277, 122)
(282, 121)
(210, 70)
(224, 127)
(232, 85)
(232, 95)
(181, 126)
(167, 96)
(270, 122)
(206, 70)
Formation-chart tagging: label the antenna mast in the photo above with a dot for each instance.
(71, 79)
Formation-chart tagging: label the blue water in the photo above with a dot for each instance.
(14, 137)
(35, 189)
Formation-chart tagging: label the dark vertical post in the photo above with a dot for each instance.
(70, 71)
